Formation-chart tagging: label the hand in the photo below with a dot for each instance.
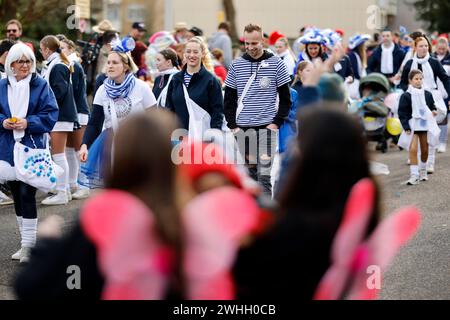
(408, 132)
(235, 130)
(312, 79)
(349, 79)
(21, 124)
(8, 125)
(272, 127)
(434, 113)
(83, 153)
(51, 227)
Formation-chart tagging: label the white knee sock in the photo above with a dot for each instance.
(61, 160)
(74, 167)
(431, 156)
(422, 166)
(19, 223)
(29, 231)
(414, 170)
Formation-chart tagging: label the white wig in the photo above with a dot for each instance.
(16, 52)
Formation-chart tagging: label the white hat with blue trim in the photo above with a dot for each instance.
(357, 39)
(313, 36)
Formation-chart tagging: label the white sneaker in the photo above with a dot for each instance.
(5, 200)
(25, 255)
(414, 180)
(16, 256)
(423, 175)
(81, 194)
(430, 169)
(442, 148)
(58, 199)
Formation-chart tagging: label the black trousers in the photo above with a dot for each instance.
(258, 145)
(24, 197)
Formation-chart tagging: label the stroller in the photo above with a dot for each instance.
(372, 110)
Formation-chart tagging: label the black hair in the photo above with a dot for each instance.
(6, 45)
(332, 158)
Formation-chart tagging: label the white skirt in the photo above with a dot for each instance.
(62, 126)
(83, 119)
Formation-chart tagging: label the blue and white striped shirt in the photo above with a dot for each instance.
(187, 79)
(260, 102)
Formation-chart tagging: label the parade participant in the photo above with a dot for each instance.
(312, 202)
(195, 94)
(74, 139)
(221, 40)
(387, 58)
(218, 62)
(180, 31)
(343, 67)
(416, 112)
(194, 32)
(303, 69)
(137, 32)
(358, 59)
(313, 41)
(142, 179)
(5, 46)
(167, 64)
(432, 70)
(443, 55)
(284, 51)
(28, 111)
(57, 73)
(253, 83)
(120, 95)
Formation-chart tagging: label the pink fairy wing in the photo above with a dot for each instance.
(382, 246)
(216, 222)
(130, 255)
(356, 217)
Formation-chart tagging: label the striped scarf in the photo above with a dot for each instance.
(122, 90)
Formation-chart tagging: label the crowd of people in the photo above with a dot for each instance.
(177, 215)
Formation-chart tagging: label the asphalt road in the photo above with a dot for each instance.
(420, 271)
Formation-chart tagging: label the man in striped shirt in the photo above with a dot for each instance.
(261, 110)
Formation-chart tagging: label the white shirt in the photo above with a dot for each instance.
(139, 99)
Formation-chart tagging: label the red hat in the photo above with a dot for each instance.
(341, 32)
(443, 35)
(274, 36)
(199, 165)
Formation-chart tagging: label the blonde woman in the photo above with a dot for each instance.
(120, 96)
(285, 53)
(201, 85)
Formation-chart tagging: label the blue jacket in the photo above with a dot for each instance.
(354, 63)
(204, 89)
(374, 63)
(41, 117)
(60, 84)
(79, 89)
(288, 130)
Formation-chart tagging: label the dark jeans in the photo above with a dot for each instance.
(24, 197)
(258, 145)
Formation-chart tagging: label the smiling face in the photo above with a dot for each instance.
(115, 67)
(254, 44)
(22, 67)
(193, 54)
(13, 31)
(313, 50)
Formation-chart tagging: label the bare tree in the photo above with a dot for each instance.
(230, 13)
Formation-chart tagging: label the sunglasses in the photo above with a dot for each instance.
(11, 30)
